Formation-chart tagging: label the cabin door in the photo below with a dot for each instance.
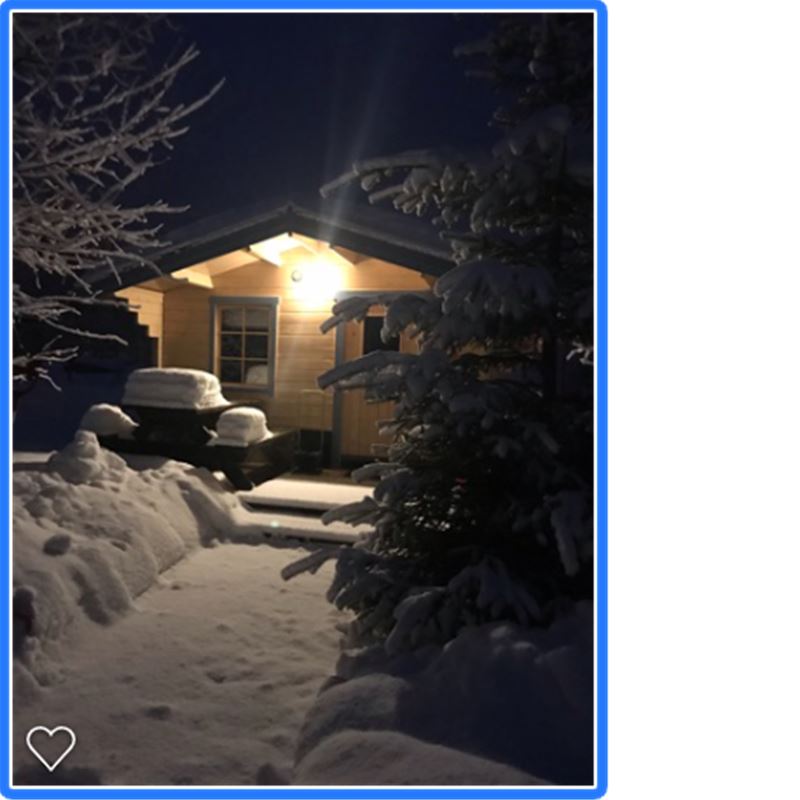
(360, 437)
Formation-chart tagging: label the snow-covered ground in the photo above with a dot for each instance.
(517, 701)
(206, 680)
(91, 534)
(151, 617)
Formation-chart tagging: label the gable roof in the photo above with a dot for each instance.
(341, 221)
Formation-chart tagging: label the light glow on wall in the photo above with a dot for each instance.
(316, 280)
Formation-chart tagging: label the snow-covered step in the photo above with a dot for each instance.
(306, 495)
(259, 525)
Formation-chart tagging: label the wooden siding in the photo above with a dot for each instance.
(303, 353)
(149, 309)
(361, 436)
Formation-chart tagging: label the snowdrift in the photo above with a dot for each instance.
(392, 759)
(90, 534)
(520, 697)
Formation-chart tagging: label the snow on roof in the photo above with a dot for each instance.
(345, 219)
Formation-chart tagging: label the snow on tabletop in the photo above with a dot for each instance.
(173, 388)
(207, 683)
(175, 376)
(107, 420)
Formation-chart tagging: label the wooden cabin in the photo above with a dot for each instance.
(245, 300)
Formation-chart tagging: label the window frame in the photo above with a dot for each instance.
(218, 303)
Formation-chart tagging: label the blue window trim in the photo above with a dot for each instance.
(218, 301)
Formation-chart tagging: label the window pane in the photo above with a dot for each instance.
(230, 371)
(372, 336)
(230, 345)
(232, 319)
(257, 319)
(255, 346)
(256, 373)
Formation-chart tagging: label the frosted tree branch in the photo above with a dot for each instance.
(91, 116)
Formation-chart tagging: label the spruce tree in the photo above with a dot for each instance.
(484, 510)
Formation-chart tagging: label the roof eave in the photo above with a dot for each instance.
(286, 219)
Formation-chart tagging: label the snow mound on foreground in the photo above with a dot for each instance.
(521, 697)
(384, 758)
(90, 534)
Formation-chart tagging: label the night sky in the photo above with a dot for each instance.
(306, 94)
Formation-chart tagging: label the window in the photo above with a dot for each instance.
(244, 345)
(372, 336)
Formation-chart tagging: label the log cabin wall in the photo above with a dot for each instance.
(148, 306)
(303, 353)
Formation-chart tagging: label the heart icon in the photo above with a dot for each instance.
(51, 732)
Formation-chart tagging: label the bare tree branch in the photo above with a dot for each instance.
(91, 116)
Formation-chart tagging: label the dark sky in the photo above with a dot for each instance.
(305, 94)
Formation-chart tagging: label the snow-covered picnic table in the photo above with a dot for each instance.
(177, 412)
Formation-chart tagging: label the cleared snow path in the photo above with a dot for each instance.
(207, 682)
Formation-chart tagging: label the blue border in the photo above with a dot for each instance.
(601, 421)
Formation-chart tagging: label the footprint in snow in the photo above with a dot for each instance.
(270, 775)
(279, 740)
(160, 712)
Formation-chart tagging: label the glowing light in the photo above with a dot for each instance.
(316, 280)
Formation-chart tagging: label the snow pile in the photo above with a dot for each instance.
(84, 461)
(107, 420)
(240, 427)
(173, 388)
(393, 759)
(90, 534)
(518, 696)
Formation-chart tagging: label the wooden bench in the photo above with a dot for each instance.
(184, 435)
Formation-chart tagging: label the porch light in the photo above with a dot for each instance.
(316, 280)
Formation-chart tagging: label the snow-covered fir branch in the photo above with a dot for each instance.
(484, 509)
